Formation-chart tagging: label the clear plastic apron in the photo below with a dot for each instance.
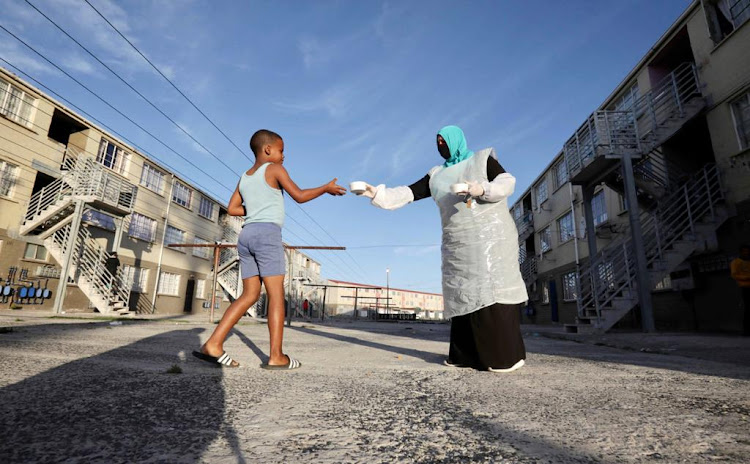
(480, 242)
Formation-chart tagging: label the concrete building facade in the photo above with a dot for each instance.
(673, 139)
(71, 192)
(364, 300)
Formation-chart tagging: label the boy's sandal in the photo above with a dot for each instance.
(292, 364)
(223, 361)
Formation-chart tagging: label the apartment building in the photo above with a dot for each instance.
(71, 192)
(634, 222)
(364, 300)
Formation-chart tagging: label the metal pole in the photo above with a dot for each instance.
(62, 285)
(387, 291)
(356, 291)
(289, 289)
(642, 276)
(217, 252)
(323, 311)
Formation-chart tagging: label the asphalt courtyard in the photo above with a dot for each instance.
(94, 390)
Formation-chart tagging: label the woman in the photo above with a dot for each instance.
(482, 283)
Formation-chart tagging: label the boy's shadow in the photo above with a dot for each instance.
(118, 406)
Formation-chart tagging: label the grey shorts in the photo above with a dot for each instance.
(261, 251)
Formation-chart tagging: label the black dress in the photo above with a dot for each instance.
(489, 336)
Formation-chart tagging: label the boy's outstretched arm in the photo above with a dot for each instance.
(235, 207)
(302, 195)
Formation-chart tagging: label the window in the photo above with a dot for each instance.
(206, 208)
(741, 113)
(8, 173)
(138, 276)
(112, 156)
(545, 294)
(724, 16)
(169, 284)
(625, 102)
(561, 174)
(174, 235)
(599, 207)
(16, 105)
(182, 194)
(99, 219)
(142, 227)
(664, 284)
(201, 252)
(152, 178)
(200, 289)
(545, 239)
(542, 193)
(569, 286)
(37, 252)
(606, 275)
(565, 227)
(517, 211)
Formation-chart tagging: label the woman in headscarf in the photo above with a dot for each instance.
(482, 284)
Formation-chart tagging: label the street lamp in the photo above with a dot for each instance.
(387, 291)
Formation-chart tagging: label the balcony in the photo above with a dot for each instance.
(605, 136)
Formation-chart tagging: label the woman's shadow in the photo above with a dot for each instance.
(118, 406)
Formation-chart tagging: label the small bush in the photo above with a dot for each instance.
(175, 369)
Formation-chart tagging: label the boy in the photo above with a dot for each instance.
(260, 248)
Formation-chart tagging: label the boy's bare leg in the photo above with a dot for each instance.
(275, 290)
(214, 346)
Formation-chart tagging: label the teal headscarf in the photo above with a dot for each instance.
(454, 138)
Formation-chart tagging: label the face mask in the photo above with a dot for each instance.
(444, 151)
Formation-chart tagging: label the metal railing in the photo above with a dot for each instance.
(85, 179)
(524, 222)
(90, 263)
(637, 128)
(613, 269)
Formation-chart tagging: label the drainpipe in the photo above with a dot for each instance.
(161, 248)
(575, 220)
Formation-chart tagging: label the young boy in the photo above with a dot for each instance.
(260, 248)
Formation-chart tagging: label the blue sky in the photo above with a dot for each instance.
(358, 90)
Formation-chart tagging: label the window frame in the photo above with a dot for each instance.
(120, 156)
(163, 282)
(179, 188)
(571, 233)
(36, 253)
(152, 232)
(8, 176)
(167, 235)
(148, 172)
(569, 294)
(139, 277)
(742, 133)
(556, 174)
(546, 192)
(548, 232)
(205, 200)
(603, 214)
(22, 97)
(206, 252)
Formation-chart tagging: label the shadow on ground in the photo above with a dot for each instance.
(117, 406)
(731, 368)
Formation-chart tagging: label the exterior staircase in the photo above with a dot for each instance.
(108, 293)
(599, 143)
(50, 216)
(684, 223)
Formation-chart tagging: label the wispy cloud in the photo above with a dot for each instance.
(417, 250)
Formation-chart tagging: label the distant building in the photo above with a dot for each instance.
(675, 137)
(371, 299)
(71, 192)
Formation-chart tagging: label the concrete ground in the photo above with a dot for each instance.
(81, 389)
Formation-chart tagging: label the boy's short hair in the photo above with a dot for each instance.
(262, 138)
